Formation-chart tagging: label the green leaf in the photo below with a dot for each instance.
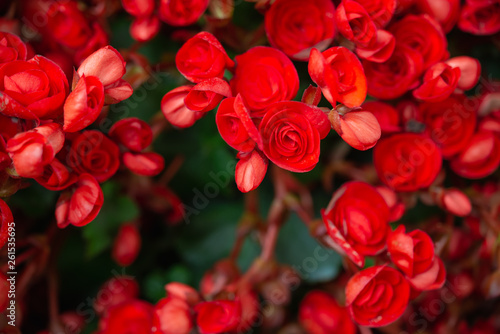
(116, 210)
(210, 235)
(313, 262)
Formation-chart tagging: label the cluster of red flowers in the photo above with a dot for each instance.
(42, 122)
(43, 117)
(382, 78)
(386, 51)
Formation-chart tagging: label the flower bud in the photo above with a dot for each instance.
(172, 316)
(127, 245)
(453, 200)
(360, 129)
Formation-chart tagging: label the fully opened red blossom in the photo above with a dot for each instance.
(180, 152)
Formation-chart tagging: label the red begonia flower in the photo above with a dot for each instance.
(56, 176)
(319, 313)
(422, 34)
(133, 133)
(94, 153)
(377, 296)
(339, 74)
(479, 158)
(11, 48)
(218, 316)
(397, 75)
(450, 123)
(206, 95)
(357, 220)
(84, 104)
(32, 89)
(439, 82)
(381, 11)
(291, 132)
(296, 26)
(407, 161)
(264, 75)
(32, 150)
(180, 13)
(133, 316)
(354, 22)
(139, 8)
(480, 17)
(81, 203)
(202, 57)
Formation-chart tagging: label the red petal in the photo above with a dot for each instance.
(470, 71)
(312, 95)
(119, 91)
(106, 63)
(250, 170)
(174, 109)
(147, 164)
(244, 115)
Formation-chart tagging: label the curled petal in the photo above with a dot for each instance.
(206, 95)
(81, 205)
(440, 81)
(56, 176)
(175, 110)
(117, 92)
(380, 48)
(235, 125)
(244, 114)
(431, 279)
(84, 104)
